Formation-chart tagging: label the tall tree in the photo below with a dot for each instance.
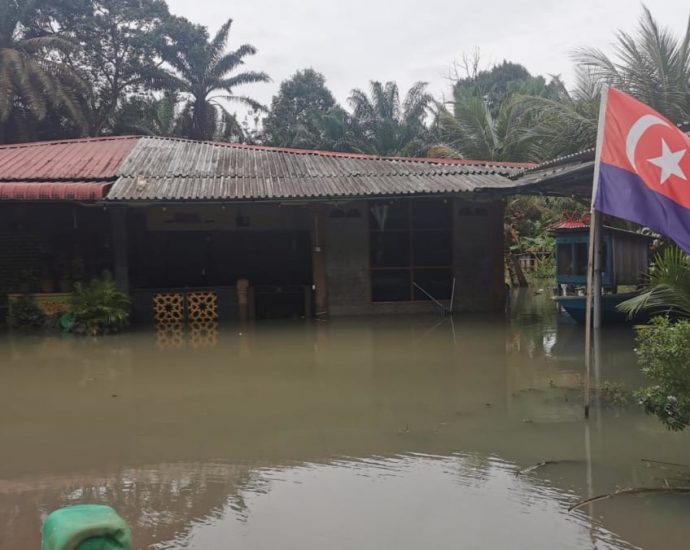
(487, 118)
(653, 65)
(32, 79)
(383, 125)
(496, 83)
(471, 131)
(566, 122)
(297, 111)
(206, 75)
(119, 55)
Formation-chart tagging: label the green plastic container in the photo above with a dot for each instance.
(86, 527)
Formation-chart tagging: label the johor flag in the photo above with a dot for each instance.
(644, 168)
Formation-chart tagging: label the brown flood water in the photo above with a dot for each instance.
(400, 433)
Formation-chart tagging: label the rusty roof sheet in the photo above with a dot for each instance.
(173, 169)
(67, 160)
(51, 190)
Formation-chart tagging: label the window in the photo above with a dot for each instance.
(411, 250)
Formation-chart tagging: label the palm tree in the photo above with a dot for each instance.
(204, 75)
(30, 79)
(151, 116)
(564, 121)
(381, 125)
(472, 132)
(652, 65)
(667, 288)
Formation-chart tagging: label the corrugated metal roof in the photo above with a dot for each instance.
(50, 190)
(567, 176)
(75, 159)
(172, 169)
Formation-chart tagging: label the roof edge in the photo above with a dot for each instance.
(343, 154)
(28, 144)
(290, 150)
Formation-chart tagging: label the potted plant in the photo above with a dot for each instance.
(98, 307)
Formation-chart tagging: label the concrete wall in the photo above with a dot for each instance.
(347, 261)
(477, 261)
(478, 255)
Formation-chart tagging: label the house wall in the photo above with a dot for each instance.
(477, 261)
(478, 255)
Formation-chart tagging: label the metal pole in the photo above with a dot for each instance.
(593, 237)
(439, 304)
(596, 281)
(452, 296)
(594, 253)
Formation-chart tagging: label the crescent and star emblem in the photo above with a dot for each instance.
(669, 161)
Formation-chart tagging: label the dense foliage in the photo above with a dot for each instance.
(116, 53)
(664, 355)
(298, 110)
(70, 68)
(98, 307)
(33, 81)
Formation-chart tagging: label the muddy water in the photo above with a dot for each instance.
(401, 433)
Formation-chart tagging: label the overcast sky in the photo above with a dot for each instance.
(354, 41)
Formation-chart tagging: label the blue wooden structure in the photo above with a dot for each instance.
(624, 263)
(625, 256)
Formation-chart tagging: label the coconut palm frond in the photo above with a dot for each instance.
(30, 76)
(249, 77)
(248, 101)
(653, 65)
(666, 288)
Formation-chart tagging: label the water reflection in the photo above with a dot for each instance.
(401, 433)
(175, 336)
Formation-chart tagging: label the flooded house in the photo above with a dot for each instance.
(252, 230)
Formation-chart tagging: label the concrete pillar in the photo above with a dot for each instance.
(318, 254)
(118, 217)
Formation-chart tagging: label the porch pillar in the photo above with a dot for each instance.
(118, 217)
(318, 256)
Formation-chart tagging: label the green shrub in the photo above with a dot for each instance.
(98, 307)
(545, 269)
(25, 314)
(614, 394)
(664, 354)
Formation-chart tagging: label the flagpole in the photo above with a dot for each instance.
(593, 299)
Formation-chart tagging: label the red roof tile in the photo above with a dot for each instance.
(50, 190)
(75, 159)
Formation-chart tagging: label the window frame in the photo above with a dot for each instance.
(411, 231)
